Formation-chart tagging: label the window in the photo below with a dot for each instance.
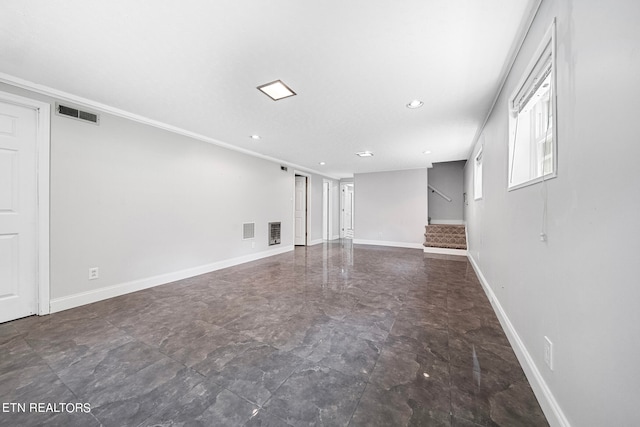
(477, 176)
(532, 129)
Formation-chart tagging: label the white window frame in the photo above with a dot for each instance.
(546, 53)
(477, 175)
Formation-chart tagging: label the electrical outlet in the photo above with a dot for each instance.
(548, 353)
(93, 273)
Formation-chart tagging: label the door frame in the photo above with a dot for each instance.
(43, 157)
(307, 191)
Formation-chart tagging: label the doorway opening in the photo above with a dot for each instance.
(347, 217)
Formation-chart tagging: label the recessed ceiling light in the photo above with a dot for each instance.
(416, 103)
(276, 90)
(426, 152)
(255, 137)
(364, 154)
(322, 163)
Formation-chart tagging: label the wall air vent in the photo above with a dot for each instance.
(74, 113)
(248, 230)
(274, 233)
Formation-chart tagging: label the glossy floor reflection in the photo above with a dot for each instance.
(334, 334)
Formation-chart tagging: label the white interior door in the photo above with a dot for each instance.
(300, 231)
(347, 210)
(18, 212)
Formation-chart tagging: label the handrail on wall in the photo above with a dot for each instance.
(440, 193)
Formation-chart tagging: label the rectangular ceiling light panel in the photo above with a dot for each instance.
(276, 90)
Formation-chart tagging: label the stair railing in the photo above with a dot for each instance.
(440, 193)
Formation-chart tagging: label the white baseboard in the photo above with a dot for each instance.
(315, 242)
(387, 243)
(550, 407)
(83, 298)
(445, 251)
(335, 237)
(448, 221)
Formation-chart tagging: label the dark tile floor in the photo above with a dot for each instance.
(334, 334)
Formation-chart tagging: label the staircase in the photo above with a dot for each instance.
(446, 238)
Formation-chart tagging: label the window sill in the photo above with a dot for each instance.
(546, 177)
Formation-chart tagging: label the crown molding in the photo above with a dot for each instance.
(85, 102)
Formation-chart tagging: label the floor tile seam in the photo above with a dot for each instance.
(321, 365)
(368, 379)
(468, 420)
(12, 327)
(450, 388)
(249, 337)
(45, 362)
(408, 352)
(161, 407)
(367, 384)
(157, 349)
(71, 390)
(426, 328)
(272, 414)
(271, 394)
(356, 336)
(139, 341)
(486, 371)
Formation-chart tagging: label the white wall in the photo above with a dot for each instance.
(147, 206)
(391, 208)
(580, 288)
(448, 178)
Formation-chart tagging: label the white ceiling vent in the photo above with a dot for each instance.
(248, 230)
(74, 113)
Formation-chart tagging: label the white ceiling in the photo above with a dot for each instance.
(195, 65)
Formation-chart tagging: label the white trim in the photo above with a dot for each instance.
(447, 221)
(43, 147)
(533, 181)
(83, 298)
(444, 251)
(387, 243)
(506, 71)
(65, 96)
(316, 242)
(335, 237)
(548, 403)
